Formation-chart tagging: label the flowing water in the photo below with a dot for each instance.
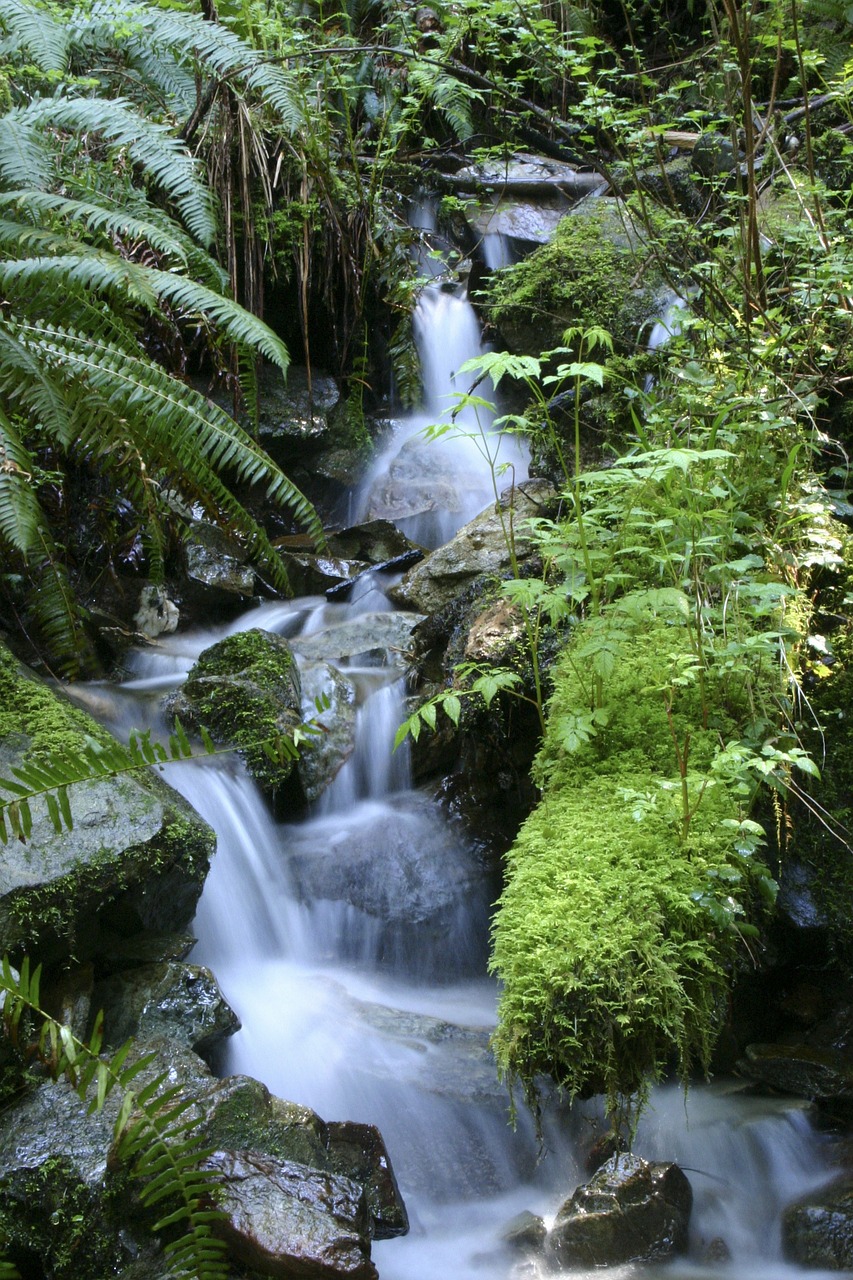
(353, 946)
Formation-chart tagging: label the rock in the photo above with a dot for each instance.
(526, 1231)
(179, 1001)
(358, 1151)
(629, 1211)
(817, 1231)
(246, 689)
(496, 630)
(803, 1070)
(323, 754)
(136, 857)
(284, 1219)
(423, 479)
(713, 155)
(479, 548)
(375, 541)
(531, 195)
(215, 562)
(295, 414)
(373, 638)
(796, 903)
(156, 615)
(310, 574)
(587, 275)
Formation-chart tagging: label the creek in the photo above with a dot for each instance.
(353, 946)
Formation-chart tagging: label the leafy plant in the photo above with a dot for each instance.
(153, 1131)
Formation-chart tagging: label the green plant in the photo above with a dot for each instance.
(153, 1131)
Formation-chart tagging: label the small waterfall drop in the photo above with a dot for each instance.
(430, 487)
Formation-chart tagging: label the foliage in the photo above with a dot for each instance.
(153, 1132)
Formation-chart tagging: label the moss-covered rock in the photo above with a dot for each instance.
(136, 857)
(245, 691)
(618, 922)
(595, 271)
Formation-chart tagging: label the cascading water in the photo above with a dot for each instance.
(352, 946)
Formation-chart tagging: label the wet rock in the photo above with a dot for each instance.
(137, 854)
(295, 412)
(358, 1151)
(796, 902)
(496, 630)
(375, 541)
(323, 754)
(526, 1232)
(589, 274)
(245, 690)
(284, 1219)
(817, 1231)
(630, 1211)
(423, 479)
(118, 952)
(371, 638)
(215, 562)
(717, 1253)
(713, 155)
(804, 1070)
(310, 574)
(157, 615)
(529, 196)
(179, 1001)
(478, 549)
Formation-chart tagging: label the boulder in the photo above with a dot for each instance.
(136, 856)
(629, 1211)
(804, 1070)
(525, 1232)
(323, 754)
(294, 413)
(589, 274)
(817, 1231)
(285, 1219)
(358, 1152)
(523, 198)
(215, 563)
(371, 638)
(179, 1001)
(156, 615)
(376, 541)
(245, 690)
(480, 548)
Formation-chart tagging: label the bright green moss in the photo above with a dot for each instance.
(612, 962)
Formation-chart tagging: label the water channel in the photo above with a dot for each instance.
(353, 944)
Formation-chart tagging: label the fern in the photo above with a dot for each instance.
(38, 31)
(153, 1132)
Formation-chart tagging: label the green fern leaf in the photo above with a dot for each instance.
(38, 31)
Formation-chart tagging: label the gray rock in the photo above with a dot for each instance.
(804, 1070)
(310, 574)
(478, 549)
(420, 480)
(371, 637)
(817, 1231)
(156, 615)
(713, 155)
(284, 1219)
(358, 1151)
(295, 412)
(323, 754)
(629, 1211)
(179, 1001)
(526, 1231)
(214, 561)
(531, 195)
(375, 541)
(136, 857)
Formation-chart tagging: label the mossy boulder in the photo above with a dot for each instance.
(597, 270)
(245, 691)
(137, 854)
(817, 1231)
(618, 926)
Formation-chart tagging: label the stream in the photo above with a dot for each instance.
(353, 947)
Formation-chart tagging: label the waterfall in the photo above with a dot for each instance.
(352, 945)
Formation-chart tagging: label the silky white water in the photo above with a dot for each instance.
(353, 944)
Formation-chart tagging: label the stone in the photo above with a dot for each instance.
(494, 632)
(157, 615)
(804, 1070)
(375, 541)
(358, 1151)
(713, 155)
(295, 411)
(382, 638)
(478, 549)
(215, 562)
(244, 690)
(135, 858)
(525, 1232)
(285, 1219)
(531, 194)
(630, 1211)
(180, 1001)
(817, 1231)
(323, 754)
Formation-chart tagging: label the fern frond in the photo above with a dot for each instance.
(152, 146)
(26, 155)
(452, 98)
(20, 512)
(38, 31)
(97, 219)
(176, 413)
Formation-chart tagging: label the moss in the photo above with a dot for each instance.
(613, 960)
(31, 708)
(587, 275)
(50, 1219)
(245, 690)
